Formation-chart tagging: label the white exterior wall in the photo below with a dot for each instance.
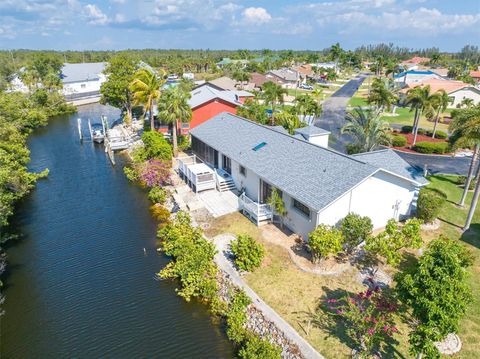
(250, 182)
(296, 221)
(319, 140)
(83, 86)
(464, 93)
(376, 198)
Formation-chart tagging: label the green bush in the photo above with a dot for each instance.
(248, 253)
(257, 348)
(183, 143)
(161, 214)
(461, 180)
(325, 240)
(156, 146)
(432, 147)
(422, 131)
(236, 317)
(399, 141)
(439, 134)
(355, 229)
(158, 195)
(353, 148)
(407, 129)
(429, 204)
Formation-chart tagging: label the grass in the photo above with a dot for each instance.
(296, 295)
(357, 101)
(405, 117)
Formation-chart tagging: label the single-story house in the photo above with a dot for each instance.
(287, 78)
(414, 76)
(258, 80)
(456, 90)
(82, 80)
(475, 76)
(207, 101)
(305, 71)
(318, 185)
(227, 61)
(229, 84)
(414, 62)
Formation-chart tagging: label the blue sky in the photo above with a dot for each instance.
(233, 24)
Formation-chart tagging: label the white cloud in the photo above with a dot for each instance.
(7, 32)
(256, 15)
(95, 16)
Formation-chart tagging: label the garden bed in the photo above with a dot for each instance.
(421, 139)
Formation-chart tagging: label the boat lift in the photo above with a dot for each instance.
(84, 138)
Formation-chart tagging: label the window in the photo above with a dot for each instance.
(266, 191)
(83, 86)
(243, 171)
(301, 207)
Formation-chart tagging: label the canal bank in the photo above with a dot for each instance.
(79, 282)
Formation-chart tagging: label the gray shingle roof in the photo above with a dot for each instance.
(206, 93)
(390, 161)
(311, 130)
(313, 175)
(82, 72)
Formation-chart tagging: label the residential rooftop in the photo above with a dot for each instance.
(206, 93)
(82, 72)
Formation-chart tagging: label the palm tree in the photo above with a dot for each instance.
(435, 58)
(273, 94)
(466, 103)
(420, 100)
(173, 108)
(367, 129)
(146, 89)
(465, 129)
(381, 95)
(306, 105)
(440, 103)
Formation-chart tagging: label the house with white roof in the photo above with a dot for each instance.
(413, 76)
(318, 185)
(82, 80)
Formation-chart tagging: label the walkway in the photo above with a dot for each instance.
(221, 258)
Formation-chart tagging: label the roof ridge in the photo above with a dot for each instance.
(297, 139)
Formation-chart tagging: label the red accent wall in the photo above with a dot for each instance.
(210, 109)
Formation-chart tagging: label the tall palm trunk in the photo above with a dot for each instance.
(470, 175)
(152, 120)
(174, 138)
(436, 123)
(473, 205)
(415, 120)
(415, 127)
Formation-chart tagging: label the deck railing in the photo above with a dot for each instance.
(258, 212)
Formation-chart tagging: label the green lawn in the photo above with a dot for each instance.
(405, 117)
(357, 101)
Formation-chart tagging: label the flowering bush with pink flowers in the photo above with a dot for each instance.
(368, 317)
(155, 173)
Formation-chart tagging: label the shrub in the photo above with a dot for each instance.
(422, 131)
(183, 143)
(399, 141)
(462, 180)
(355, 229)
(407, 129)
(236, 317)
(353, 148)
(192, 262)
(432, 147)
(441, 134)
(131, 173)
(156, 146)
(429, 204)
(158, 195)
(248, 253)
(325, 240)
(395, 237)
(155, 173)
(161, 214)
(256, 348)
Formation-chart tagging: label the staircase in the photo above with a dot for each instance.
(224, 181)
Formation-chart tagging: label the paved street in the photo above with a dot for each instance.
(333, 118)
(333, 113)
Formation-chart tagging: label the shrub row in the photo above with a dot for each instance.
(421, 131)
(432, 147)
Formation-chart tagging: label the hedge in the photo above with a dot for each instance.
(399, 141)
(432, 147)
(438, 134)
(408, 129)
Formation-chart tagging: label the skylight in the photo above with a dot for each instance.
(259, 146)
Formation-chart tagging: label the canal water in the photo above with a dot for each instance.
(79, 283)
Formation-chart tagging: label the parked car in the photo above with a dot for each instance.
(306, 87)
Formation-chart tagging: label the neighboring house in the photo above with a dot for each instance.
(82, 80)
(285, 77)
(414, 62)
(475, 75)
(16, 84)
(442, 72)
(224, 83)
(305, 71)
(318, 185)
(414, 76)
(258, 80)
(456, 90)
(206, 102)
